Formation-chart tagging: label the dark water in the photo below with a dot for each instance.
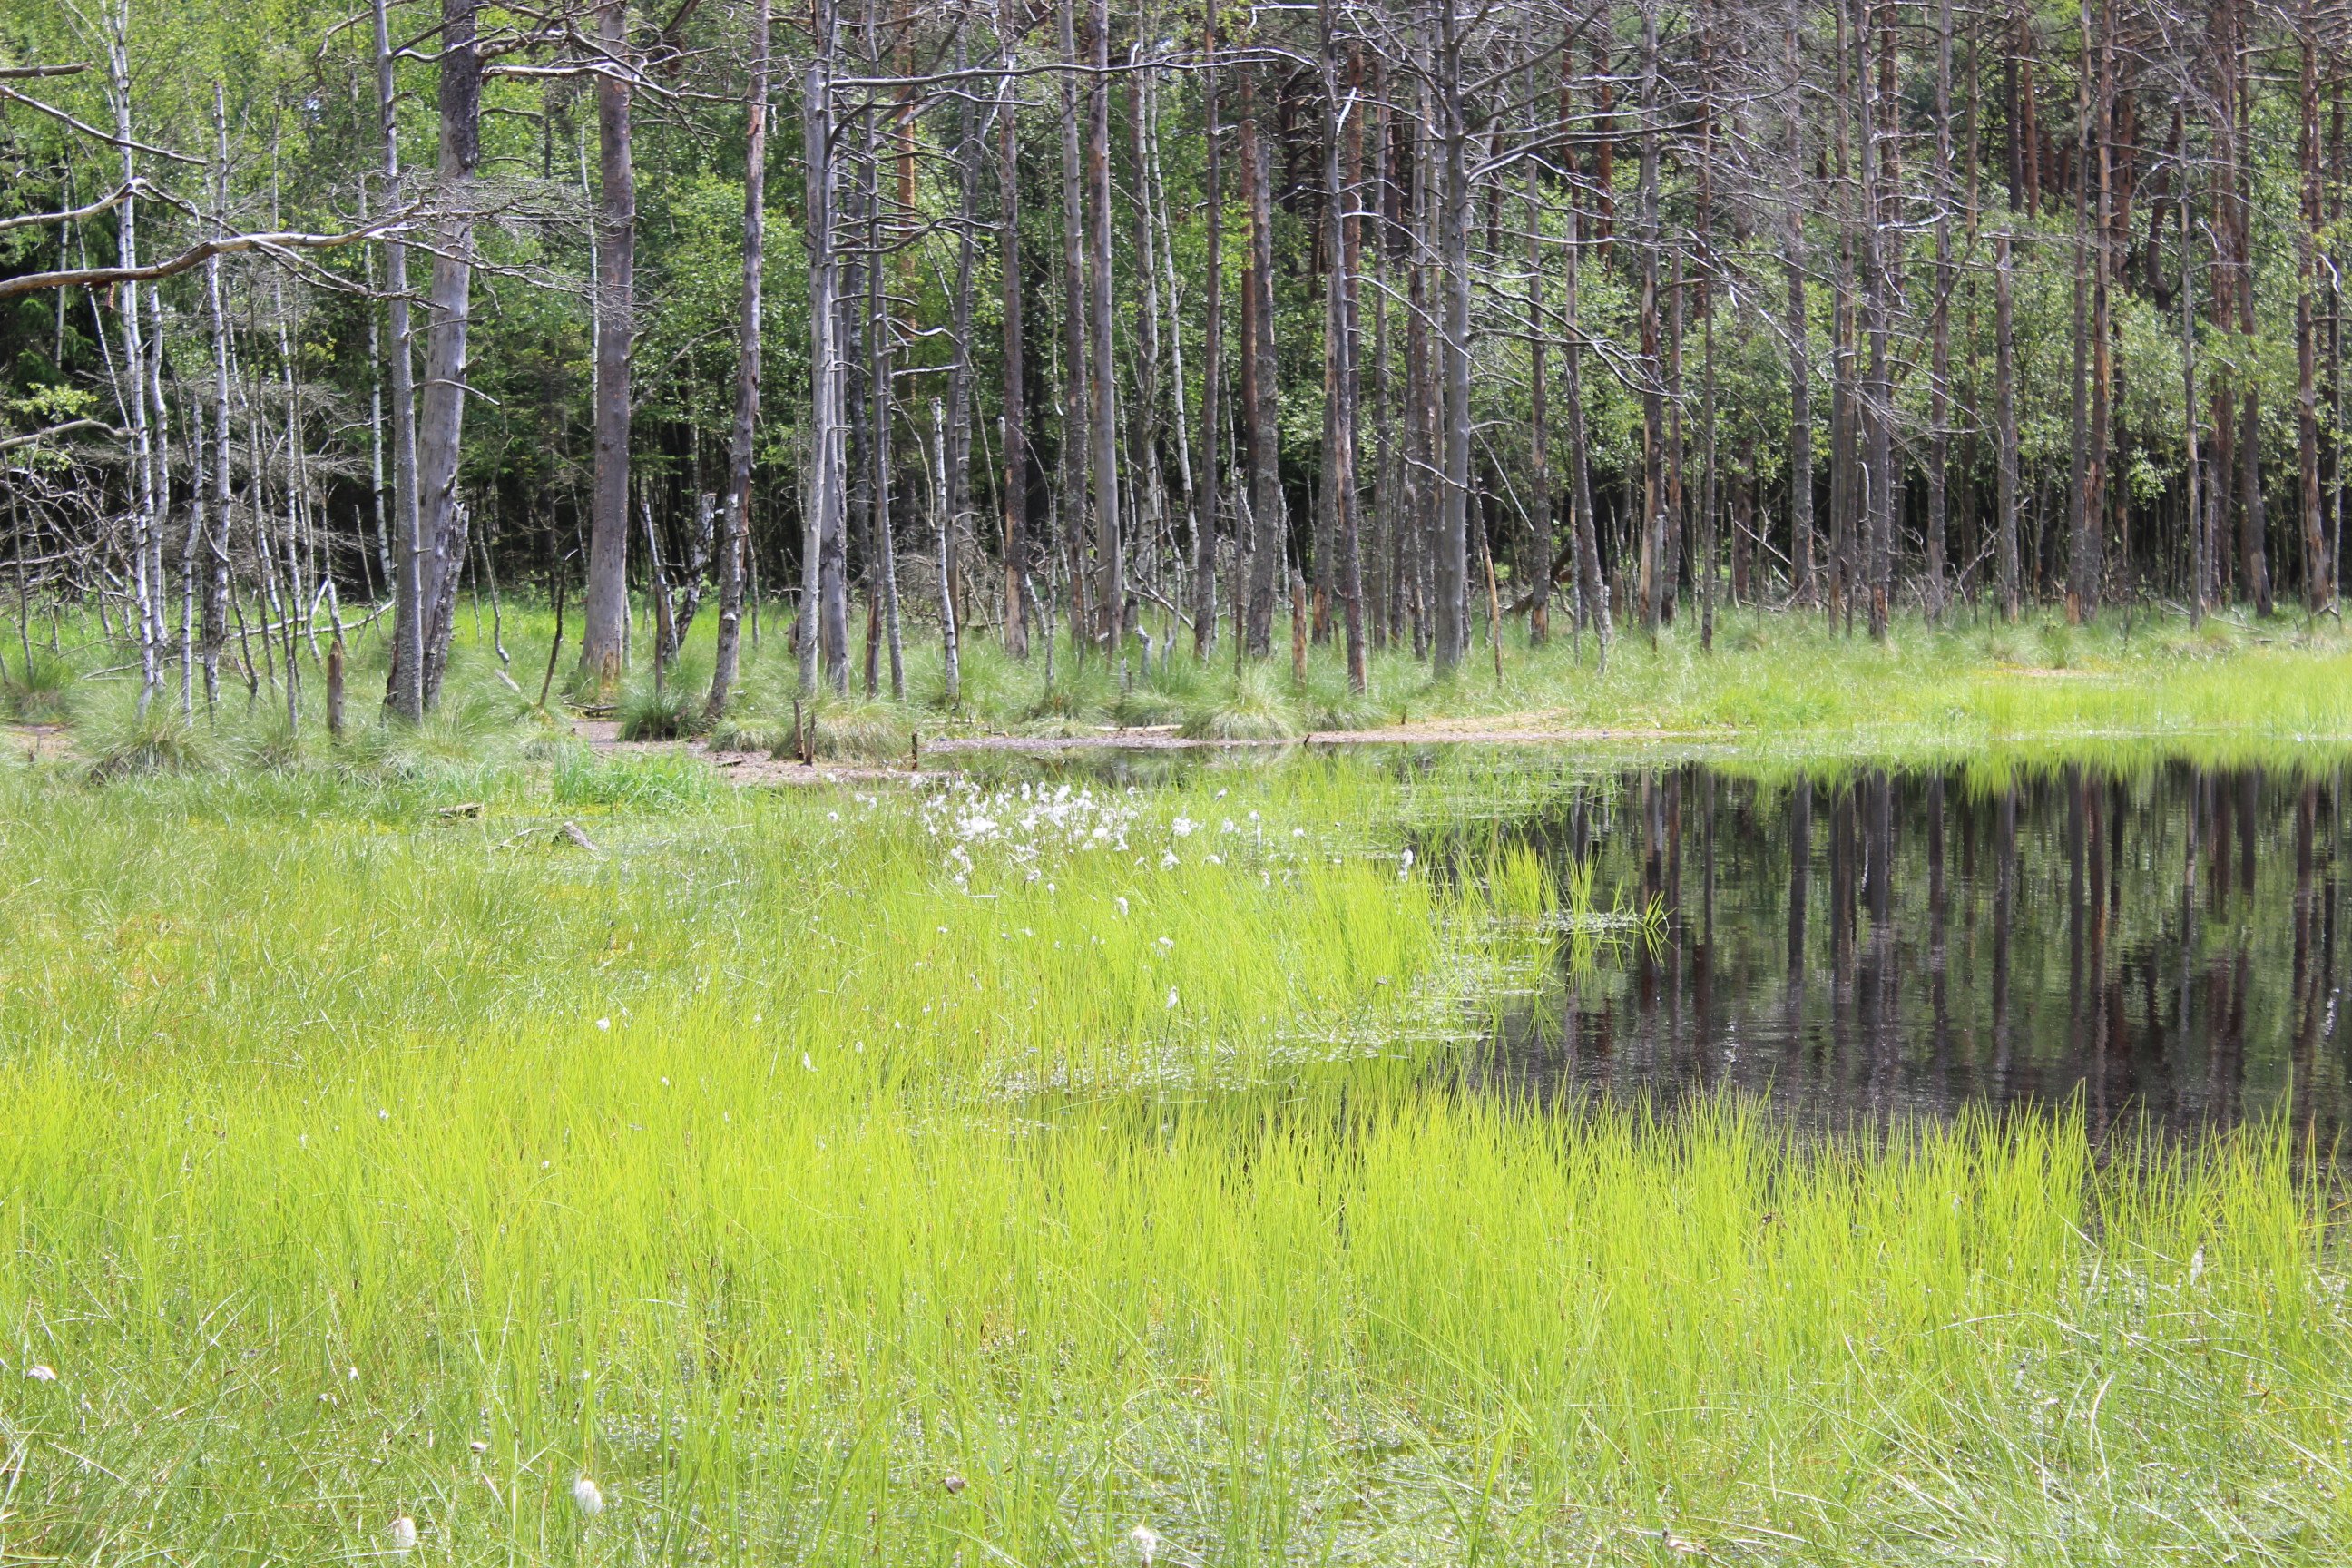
(2163, 944)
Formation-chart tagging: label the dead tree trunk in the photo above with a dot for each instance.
(1654, 589)
(1804, 590)
(1593, 593)
(957, 452)
(603, 638)
(2318, 572)
(1213, 346)
(736, 544)
(1539, 503)
(1077, 404)
(1454, 258)
(828, 484)
(405, 692)
(1939, 371)
(1343, 174)
(1258, 371)
(1103, 424)
(441, 417)
(1018, 548)
(2005, 419)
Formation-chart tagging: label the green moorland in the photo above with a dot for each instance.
(961, 1174)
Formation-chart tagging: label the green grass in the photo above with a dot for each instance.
(790, 1155)
(1789, 683)
(1775, 684)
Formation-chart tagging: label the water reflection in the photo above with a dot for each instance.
(2162, 943)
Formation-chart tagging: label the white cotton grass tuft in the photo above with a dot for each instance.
(402, 1535)
(1147, 1541)
(586, 1497)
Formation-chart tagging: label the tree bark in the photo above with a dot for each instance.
(2005, 418)
(1018, 547)
(404, 692)
(1593, 593)
(736, 545)
(1540, 500)
(1452, 563)
(1213, 347)
(1939, 372)
(1343, 171)
(822, 622)
(1654, 588)
(1077, 406)
(1103, 385)
(1804, 588)
(442, 407)
(1266, 571)
(2319, 571)
(603, 638)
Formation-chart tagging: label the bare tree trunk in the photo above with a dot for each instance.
(406, 690)
(1414, 539)
(2238, 106)
(2319, 571)
(146, 514)
(1654, 588)
(868, 443)
(216, 579)
(1539, 510)
(442, 412)
(1104, 424)
(957, 452)
(736, 545)
(603, 638)
(2103, 379)
(1706, 552)
(2199, 567)
(828, 486)
(2005, 418)
(1939, 372)
(1078, 408)
(1880, 236)
(1344, 179)
(1267, 573)
(1454, 256)
(1591, 590)
(1018, 548)
(1212, 349)
(1803, 587)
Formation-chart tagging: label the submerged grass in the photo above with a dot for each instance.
(976, 1175)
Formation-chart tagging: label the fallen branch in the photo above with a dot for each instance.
(193, 256)
(9, 444)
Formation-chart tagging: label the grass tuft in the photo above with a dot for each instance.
(39, 687)
(1251, 706)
